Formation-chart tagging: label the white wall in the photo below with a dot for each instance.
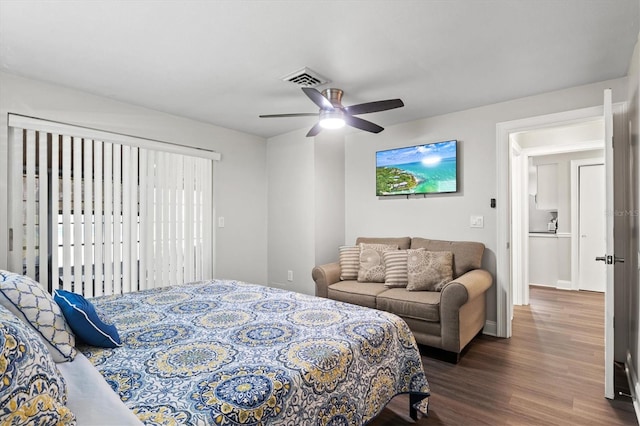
(562, 136)
(329, 201)
(632, 261)
(447, 216)
(290, 159)
(240, 188)
(306, 206)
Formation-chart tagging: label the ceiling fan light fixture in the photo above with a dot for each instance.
(331, 119)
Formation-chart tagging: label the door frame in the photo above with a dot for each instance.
(575, 211)
(505, 257)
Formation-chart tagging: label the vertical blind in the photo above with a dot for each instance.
(100, 213)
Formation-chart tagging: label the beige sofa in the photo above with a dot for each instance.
(446, 319)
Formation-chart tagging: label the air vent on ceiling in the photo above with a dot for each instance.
(306, 78)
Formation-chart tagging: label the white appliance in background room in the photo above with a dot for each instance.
(542, 221)
(543, 198)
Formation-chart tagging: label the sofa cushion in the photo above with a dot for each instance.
(357, 293)
(371, 262)
(349, 262)
(403, 243)
(428, 270)
(422, 305)
(467, 255)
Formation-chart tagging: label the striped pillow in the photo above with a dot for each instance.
(396, 272)
(395, 264)
(349, 262)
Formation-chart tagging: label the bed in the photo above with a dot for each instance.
(207, 353)
(233, 353)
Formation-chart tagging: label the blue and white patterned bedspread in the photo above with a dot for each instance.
(231, 353)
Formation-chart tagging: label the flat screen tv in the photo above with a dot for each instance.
(422, 169)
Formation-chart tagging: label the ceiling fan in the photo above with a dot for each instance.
(333, 115)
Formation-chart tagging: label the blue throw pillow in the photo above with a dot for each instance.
(85, 321)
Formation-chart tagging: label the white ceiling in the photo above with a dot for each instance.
(222, 61)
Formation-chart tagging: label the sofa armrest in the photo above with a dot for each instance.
(324, 276)
(465, 288)
(463, 308)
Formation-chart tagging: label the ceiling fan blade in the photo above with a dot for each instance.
(298, 114)
(374, 106)
(361, 124)
(314, 130)
(317, 98)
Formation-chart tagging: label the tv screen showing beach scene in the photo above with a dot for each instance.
(421, 169)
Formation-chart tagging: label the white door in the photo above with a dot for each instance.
(591, 201)
(608, 257)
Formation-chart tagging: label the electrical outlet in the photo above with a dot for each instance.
(289, 276)
(477, 222)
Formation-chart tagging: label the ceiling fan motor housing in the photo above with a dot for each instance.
(334, 96)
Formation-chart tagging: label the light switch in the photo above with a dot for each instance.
(477, 222)
(221, 222)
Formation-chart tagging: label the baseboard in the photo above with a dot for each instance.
(563, 285)
(490, 328)
(634, 386)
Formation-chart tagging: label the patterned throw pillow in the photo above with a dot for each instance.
(349, 262)
(395, 264)
(32, 390)
(371, 262)
(88, 324)
(32, 304)
(429, 270)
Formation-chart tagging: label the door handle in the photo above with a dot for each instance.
(610, 260)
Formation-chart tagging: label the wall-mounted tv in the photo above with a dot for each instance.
(422, 169)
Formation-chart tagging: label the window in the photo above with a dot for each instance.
(101, 213)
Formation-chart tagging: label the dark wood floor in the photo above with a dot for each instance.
(551, 372)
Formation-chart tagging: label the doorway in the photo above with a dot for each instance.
(506, 252)
(505, 238)
(544, 185)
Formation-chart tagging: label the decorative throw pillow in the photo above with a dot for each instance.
(32, 304)
(429, 270)
(88, 324)
(349, 262)
(32, 390)
(371, 262)
(395, 264)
